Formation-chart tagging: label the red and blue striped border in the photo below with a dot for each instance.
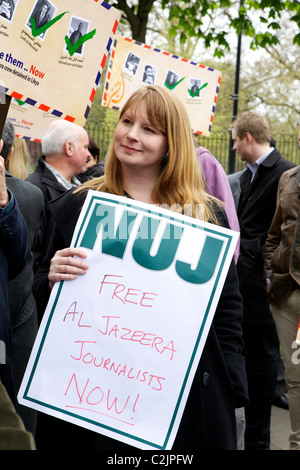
(56, 112)
(169, 54)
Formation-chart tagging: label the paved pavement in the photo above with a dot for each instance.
(280, 429)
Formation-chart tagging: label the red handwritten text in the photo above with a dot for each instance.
(72, 311)
(122, 370)
(126, 295)
(93, 396)
(145, 339)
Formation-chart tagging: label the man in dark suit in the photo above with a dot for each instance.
(256, 207)
(65, 148)
(75, 36)
(13, 252)
(41, 14)
(22, 306)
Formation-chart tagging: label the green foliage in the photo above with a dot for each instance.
(192, 18)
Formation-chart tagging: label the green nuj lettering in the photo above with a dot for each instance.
(167, 249)
(206, 265)
(114, 240)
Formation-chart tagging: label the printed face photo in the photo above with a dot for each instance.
(77, 28)
(132, 62)
(149, 74)
(7, 9)
(171, 78)
(194, 87)
(42, 13)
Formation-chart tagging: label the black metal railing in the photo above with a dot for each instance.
(217, 143)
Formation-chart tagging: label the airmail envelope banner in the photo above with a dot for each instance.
(118, 347)
(133, 64)
(52, 53)
(29, 122)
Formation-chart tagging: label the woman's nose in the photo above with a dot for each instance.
(133, 133)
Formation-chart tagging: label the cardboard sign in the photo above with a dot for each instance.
(52, 53)
(29, 122)
(118, 348)
(133, 64)
(4, 108)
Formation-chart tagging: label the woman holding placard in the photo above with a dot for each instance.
(152, 159)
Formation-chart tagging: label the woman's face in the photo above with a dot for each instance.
(91, 161)
(137, 143)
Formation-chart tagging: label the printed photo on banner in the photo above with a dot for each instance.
(42, 13)
(133, 64)
(149, 74)
(78, 27)
(7, 9)
(52, 53)
(194, 88)
(171, 79)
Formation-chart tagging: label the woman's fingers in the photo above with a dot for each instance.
(67, 264)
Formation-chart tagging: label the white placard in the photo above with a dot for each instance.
(118, 348)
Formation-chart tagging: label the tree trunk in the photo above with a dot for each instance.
(137, 21)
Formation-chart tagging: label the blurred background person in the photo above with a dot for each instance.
(94, 166)
(18, 163)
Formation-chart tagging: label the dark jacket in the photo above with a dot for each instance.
(46, 181)
(94, 171)
(22, 307)
(255, 212)
(220, 382)
(13, 252)
(282, 258)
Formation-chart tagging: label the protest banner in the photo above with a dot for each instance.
(4, 108)
(118, 347)
(29, 122)
(55, 63)
(133, 64)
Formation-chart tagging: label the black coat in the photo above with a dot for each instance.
(22, 307)
(13, 252)
(220, 382)
(256, 209)
(44, 179)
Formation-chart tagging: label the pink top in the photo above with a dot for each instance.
(218, 186)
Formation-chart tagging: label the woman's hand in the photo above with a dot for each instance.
(66, 265)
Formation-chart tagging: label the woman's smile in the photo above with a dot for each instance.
(130, 149)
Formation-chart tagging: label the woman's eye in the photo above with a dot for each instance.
(149, 129)
(126, 121)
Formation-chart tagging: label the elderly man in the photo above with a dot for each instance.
(65, 148)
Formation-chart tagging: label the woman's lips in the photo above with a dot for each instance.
(130, 149)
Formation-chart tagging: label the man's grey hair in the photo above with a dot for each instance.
(59, 132)
(8, 137)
